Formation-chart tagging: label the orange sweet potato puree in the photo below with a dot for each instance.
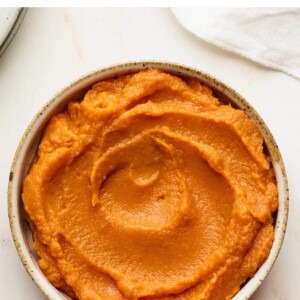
(150, 188)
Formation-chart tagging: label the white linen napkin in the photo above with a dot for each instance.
(270, 36)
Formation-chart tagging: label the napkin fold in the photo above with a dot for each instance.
(269, 36)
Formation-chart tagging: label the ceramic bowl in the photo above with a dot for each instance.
(10, 20)
(26, 150)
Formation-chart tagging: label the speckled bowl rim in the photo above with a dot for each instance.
(57, 103)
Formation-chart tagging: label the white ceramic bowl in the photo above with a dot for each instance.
(20, 228)
(10, 21)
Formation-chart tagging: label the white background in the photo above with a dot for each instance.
(56, 46)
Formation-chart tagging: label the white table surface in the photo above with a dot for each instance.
(55, 46)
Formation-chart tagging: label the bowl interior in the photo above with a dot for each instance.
(75, 91)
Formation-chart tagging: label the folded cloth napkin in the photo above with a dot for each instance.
(270, 36)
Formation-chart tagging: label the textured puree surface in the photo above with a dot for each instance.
(150, 188)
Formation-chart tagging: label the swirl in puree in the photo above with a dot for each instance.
(150, 188)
